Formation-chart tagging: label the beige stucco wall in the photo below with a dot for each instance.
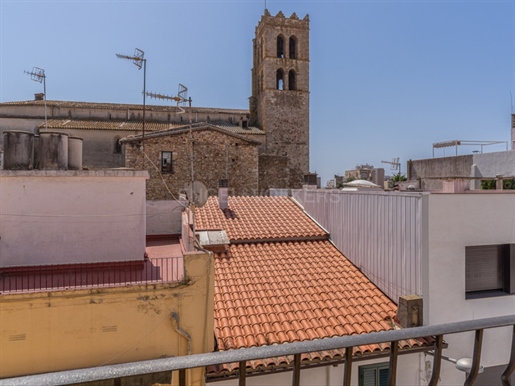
(56, 217)
(53, 331)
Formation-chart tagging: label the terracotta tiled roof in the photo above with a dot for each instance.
(80, 124)
(291, 287)
(259, 219)
(200, 126)
(121, 106)
(293, 291)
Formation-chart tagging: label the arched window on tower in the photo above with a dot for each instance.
(293, 47)
(279, 80)
(280, 47)
(292, 80)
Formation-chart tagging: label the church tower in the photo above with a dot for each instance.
(279, 104)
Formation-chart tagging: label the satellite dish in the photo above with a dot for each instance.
(198, 195)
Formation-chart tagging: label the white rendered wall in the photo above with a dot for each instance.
(457, 221)
(409, 373)
(58, 217)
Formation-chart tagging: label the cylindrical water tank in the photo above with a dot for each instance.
(52, 151)
(74, 153)
(18, 150)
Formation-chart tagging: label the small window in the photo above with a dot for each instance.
(167, 162)
(488, 270)
(293, 48)
(292, 81)
(117, 146)
(279, 80)
(280, 47)
(374, 375)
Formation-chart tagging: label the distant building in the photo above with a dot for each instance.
(277, 118)
(455, 251)
(215, 153)
(430, 173)
(366, 172)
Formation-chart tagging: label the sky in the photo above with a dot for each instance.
(387, 78)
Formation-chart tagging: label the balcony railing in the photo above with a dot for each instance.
(295, 349)
(76, 276)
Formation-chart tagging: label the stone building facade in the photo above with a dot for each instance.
(216, 155)
(278, 115)
(279, 104)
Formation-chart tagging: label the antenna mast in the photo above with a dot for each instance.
(38, 75)
(395, 164)
(181, 98)
(139, 60)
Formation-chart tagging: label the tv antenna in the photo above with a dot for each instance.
(196, 191)
(394, 164)
(139, 60)
(38, 75)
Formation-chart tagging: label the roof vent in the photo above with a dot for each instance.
(223, 193)
(39, 96)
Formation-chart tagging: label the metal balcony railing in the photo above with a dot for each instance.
(296, 349)
(57, 277)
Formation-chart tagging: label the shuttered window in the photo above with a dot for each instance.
(374, 375)
(489, 270)
(484, 268)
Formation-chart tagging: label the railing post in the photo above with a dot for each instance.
(296, 370)
(243, 373)
(392, 373)
(505, 377)
(437, 361)
(478, 342)
(348, 366)
(182, 377)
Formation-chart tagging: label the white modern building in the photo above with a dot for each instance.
(455, 250)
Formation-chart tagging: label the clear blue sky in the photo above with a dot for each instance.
(387, 78)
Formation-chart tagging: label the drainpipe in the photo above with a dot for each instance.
(175, 317)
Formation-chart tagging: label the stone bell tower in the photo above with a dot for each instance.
(279, 104)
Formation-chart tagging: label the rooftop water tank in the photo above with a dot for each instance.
(74, 153)
(52, 151)
(18, 150)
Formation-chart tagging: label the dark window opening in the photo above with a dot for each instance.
(244, 124)
(279, 84)
(166, 162)
(280, 47)
(488, 270)
(293, 48)
(117, 146)
(292, 81)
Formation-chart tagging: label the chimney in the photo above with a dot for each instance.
(223, 193)
(244, 123)
(39, 96)
(409, 311)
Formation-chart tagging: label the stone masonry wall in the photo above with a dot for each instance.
(216, 156)
(273, 172)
